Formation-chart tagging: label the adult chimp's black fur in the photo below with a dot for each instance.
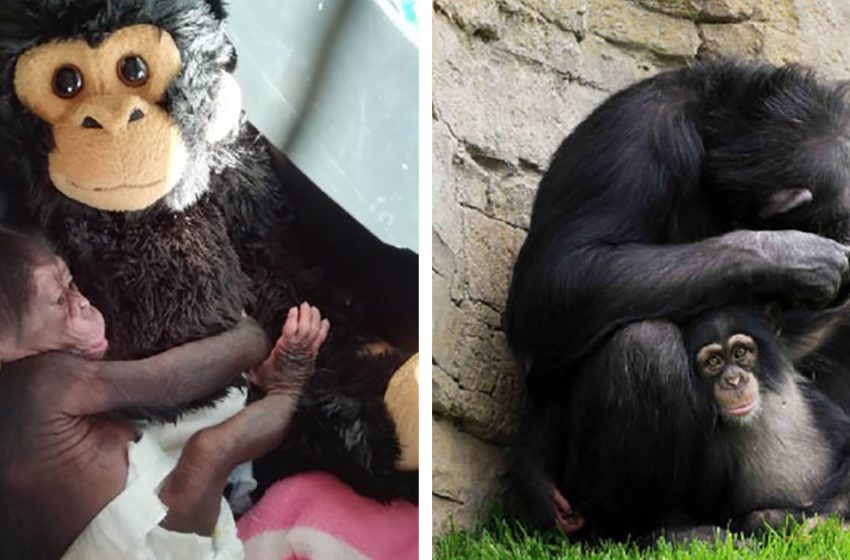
(666, 201)
(220, 241)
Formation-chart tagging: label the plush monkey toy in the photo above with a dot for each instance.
(122, 129)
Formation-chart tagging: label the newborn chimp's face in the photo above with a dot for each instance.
(60, 317)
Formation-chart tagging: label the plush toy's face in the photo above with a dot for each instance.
(115, 147)
(113, 105)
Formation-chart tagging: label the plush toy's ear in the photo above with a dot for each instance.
(228, 110)
(219, 8)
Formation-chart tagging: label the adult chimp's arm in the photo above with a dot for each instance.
(179, 375)
(566, 298)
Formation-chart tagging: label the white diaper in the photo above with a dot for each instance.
(128, 527)
(172, 437)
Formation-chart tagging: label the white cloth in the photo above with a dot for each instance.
(128, 527)
(171, 437)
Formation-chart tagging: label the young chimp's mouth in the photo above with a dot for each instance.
(742, 410)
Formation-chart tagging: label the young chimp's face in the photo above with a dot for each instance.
(60, 317)
(730, 366)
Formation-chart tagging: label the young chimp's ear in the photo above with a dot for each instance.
(784, 200)
(773, 313)
(218, 8)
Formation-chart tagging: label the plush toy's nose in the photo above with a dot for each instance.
(110, 112)
(136, 115)
(89, 122)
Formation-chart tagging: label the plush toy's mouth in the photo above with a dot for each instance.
(118, 187)
(119, 197)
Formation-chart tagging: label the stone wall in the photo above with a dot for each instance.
(511, 79)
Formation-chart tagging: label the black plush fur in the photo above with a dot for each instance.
(221, 241)
(630, 236)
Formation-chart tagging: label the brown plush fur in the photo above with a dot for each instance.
(160, 279)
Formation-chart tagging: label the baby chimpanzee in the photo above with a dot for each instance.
(779, 447)
(76, 480)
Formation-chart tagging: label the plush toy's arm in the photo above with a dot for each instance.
(185, 373)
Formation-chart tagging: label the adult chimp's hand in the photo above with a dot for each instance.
(798, 265)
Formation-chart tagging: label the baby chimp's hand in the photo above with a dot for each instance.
(293, 359)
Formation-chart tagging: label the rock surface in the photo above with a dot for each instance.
(511, 79)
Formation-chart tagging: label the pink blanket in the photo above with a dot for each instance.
(314, 516)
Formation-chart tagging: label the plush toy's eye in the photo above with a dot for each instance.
(67, 81)
(133, 70)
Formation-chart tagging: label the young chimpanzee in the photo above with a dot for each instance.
(76, 479)
(778, 446)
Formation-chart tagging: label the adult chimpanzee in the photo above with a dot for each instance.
(710, 185)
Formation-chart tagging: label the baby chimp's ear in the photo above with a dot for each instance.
(218, 7)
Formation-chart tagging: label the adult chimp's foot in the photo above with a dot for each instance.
(566, 518)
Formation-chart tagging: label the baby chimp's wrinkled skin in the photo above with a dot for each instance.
(193, 490)
(63, 451)
(63, 457)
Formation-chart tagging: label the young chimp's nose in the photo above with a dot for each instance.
(733, 379)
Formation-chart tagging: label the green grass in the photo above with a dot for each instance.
(504, 540)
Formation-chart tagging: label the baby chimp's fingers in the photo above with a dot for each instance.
(315, 321)
(316, 327)
(324, 328)
(290, 325)
(303, 321)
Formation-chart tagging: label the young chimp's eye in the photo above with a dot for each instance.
(739, 352)
(714, 362)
